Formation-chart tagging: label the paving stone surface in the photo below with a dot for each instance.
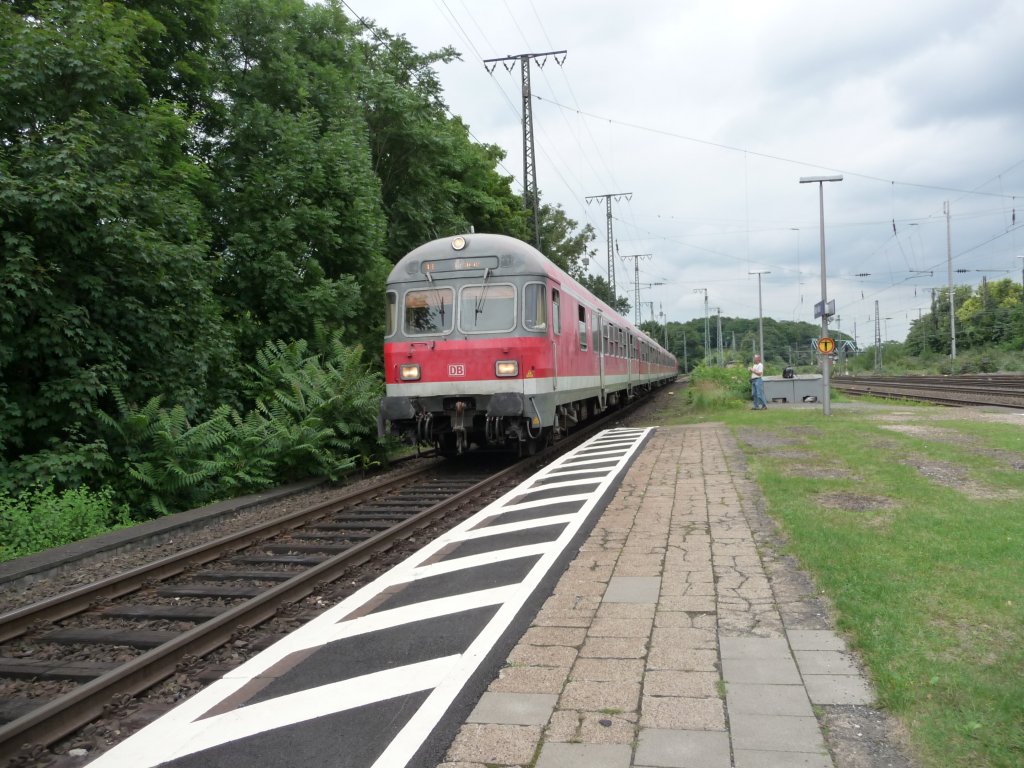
(669, 642)
(513, 709)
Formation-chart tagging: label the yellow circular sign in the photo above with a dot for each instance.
(826, 345)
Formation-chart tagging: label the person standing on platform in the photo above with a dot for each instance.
(757, 385)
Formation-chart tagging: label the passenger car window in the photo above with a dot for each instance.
(391, 320)
(583, 328)
(535, 307)
(429, 311)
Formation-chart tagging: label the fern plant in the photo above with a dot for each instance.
(320, 409)
(314, 414)
(175, 464)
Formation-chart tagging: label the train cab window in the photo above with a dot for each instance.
(391, 320)
(487, 308)
(556, 311)
(595, 331)
(429, 311)
(535, 307)
(583, 327)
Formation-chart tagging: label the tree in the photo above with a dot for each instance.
(105, 280)
(296, 215)
(562, 241)
(991, 316)
(434, 180)
(602, 289)
(175, 47)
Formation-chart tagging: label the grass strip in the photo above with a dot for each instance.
(917, 537)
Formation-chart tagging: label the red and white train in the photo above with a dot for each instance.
(488, 342)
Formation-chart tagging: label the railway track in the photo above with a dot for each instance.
(90, 655)
(1004, 390)
(106, 642)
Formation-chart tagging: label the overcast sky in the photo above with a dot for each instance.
(709, 112)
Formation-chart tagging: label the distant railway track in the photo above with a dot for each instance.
(89, 655)
(1003, 390)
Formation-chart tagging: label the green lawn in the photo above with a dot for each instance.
(914, 527)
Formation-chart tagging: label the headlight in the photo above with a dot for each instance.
(506, 368)
(409, 372)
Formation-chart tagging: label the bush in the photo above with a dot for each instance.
(66, 463)
(714, 387)
(40, 518)
(314, 416)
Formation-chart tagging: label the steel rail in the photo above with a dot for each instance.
(18, 621)
(75, 709)
(978, 389)
(64, 715)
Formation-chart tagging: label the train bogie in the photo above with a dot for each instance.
(490, 343)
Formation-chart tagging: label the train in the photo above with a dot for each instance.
(488, 343)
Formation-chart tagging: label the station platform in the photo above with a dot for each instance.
(664, 643)
(611, 612)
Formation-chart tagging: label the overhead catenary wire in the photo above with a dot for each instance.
(905, 250)
(781, 159)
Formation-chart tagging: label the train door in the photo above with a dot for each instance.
(556, 332)
(630, 356)
(601, 346)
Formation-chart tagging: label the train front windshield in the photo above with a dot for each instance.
(478, 309)
(487, 308)
(429, 311)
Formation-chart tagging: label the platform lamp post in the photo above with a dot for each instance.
(760, 311)
(707, 331)
(826, 362)
(1021, 257)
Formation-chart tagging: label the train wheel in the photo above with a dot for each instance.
(447, 446)
(527, 447)
(531, 446)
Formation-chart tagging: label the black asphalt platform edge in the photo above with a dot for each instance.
(433, 751)
(26, 570)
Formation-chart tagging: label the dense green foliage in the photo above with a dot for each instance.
(990, 317)
(710, 387)
(190, 190)
(989, 335)
(786, 343)
(313, 414)
(39, 518)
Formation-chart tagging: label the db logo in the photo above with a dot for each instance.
(456, 369)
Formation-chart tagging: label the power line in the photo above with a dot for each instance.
(779, 158)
